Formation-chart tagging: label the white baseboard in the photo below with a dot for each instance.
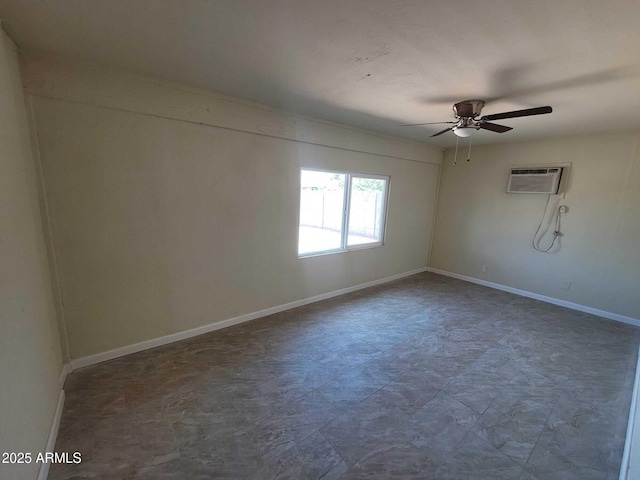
(543, 298)
(632, 439)
(53, 434)
(67, 368)
(174, 337)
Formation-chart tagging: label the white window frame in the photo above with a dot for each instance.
(344, 247)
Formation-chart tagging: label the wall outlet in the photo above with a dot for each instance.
(484, 269)
(566, 286)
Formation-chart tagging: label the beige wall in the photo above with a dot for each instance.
(478, 223)
(30, 355)
(165, 218)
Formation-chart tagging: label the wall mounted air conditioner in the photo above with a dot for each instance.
(535, 180)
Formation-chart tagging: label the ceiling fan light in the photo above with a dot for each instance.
(464, 131)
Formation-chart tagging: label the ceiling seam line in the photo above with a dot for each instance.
(166, 117)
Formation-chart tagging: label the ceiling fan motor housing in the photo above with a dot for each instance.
(468, 108)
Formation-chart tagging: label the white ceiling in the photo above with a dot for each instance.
(372, 64)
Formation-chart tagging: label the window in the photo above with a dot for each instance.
(340, 211)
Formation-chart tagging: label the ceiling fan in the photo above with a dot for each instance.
(467, 121)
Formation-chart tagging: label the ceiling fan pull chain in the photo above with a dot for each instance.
(455, 157)
(469, 154)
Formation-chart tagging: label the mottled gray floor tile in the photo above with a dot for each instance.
(450, 364)
(576, 441)
(113, 439)
(393, 362)
(348, 357)
(477, 388)
(413, 390)
(291, 386)
(473, 459)
(237, 395)
(531, 378)
(504, 360)
(613, 475)
(220, 454)
(522, 340)
(394, 457)
(275, 433)
(335, 341)
(440, 425)
(513, 424)
(354, 385)
(568, 472)
(311, 411)
(311, 459)
(317, 390)
(427, 341)
(174, 470)
(388, 337)
(360, 429)
(514, 421)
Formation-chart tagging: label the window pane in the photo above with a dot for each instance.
(321, 208)
(365, 213)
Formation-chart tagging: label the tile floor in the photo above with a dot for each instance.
(425, 377)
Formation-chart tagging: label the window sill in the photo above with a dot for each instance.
(355, 248)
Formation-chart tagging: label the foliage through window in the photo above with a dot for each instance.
(340, 211)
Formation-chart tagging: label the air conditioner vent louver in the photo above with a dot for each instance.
(534, 180)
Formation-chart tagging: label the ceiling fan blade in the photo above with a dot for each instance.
(519, 113)
(429, 123)
(494, 127)
(441, 132)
